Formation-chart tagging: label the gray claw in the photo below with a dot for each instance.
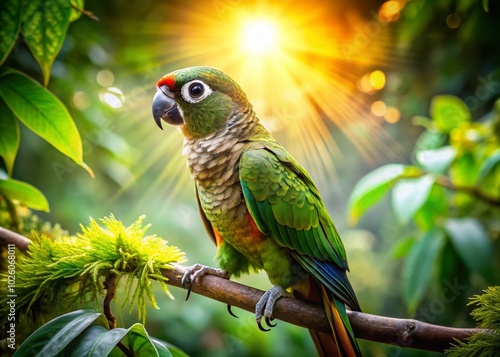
(196, 271)
(265, 306)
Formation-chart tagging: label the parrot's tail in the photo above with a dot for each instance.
(341, 342)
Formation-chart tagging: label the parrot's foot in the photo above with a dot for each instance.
(265, 306)
(196, 271)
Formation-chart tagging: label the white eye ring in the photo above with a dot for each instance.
(195, 91)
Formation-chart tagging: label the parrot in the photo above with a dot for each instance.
(258, 204)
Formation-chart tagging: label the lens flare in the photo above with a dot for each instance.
(308, 70)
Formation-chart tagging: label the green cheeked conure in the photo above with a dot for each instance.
(259, 206)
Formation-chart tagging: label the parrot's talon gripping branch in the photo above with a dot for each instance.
(269, 323)
(264, 307)
(196, 271)
(231, 311)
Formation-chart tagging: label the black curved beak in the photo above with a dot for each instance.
(165, 107)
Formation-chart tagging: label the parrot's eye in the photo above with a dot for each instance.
(195, 91)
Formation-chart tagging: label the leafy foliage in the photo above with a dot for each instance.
(73, 267)
(456, 171)
(87, 333)
(43, 25)
(487, 315)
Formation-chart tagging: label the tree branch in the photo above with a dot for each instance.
(400, 332)
(9, 237)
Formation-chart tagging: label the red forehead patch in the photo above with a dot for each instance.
(167, 80)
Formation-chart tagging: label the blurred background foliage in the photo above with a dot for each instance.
(346, 90)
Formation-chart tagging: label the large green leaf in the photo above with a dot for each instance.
(472, 244)
(43, 113)
(174, 350)
(52, 337)
(437, 160)
(10, 18)
(409, 195)
(9, 136)
(419, 266)
(104, 343)
(84, 344)
(24, 193)
(374, 185)
(137, 339)
(448, 112)
(44, 27)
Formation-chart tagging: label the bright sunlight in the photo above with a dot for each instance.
(259, 37)
(300, 67)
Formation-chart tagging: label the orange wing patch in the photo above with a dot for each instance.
(218, 238)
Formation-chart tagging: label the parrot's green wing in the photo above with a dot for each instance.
(286, 206)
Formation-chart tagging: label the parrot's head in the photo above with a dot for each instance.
(198, 99)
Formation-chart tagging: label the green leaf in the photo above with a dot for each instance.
(437, 160)
(472, 244)
(488, 164)
(10, 18)
(84, 344)
(24, 193)
(463, 171)
(9, 138)
(419, 266)
(430, 140)
(433, 210)
(409, 195)
(75, 14)
(448, 112)
(486, 5)
(403, 247)
(174, 350)
(43, 113)
(374, 185)
(137, 339)
(52, 337)
(44, 27)
(106, 342)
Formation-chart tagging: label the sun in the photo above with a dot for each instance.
(259, 36)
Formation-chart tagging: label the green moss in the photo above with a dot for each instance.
(71, 268)
(487, 315)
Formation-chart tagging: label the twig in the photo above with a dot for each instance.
(10, 237)
(88, 13)
(400, 332)
(444, 181)
(110, 286)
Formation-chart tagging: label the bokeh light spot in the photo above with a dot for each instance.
(378, 108)
(81, 100)
(390, 10)
(105, 78)
(113, 97)
(377, 80)
(453, 21)
(392, 115)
